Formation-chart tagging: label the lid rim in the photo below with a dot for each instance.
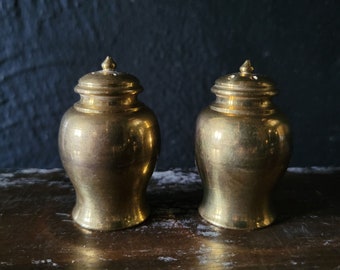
(244, 91)
(106, 91)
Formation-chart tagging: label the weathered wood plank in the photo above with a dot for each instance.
(36, 229)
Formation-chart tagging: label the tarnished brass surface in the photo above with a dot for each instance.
(108, 144)
(242, 147)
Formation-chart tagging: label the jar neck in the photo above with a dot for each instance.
(243, 105)
(100, 104)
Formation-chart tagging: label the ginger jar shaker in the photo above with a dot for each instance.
(108, 143)
(242, 147)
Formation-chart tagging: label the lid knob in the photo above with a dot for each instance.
(108, 81)
(246, 68)
(108, 64)
(244, 83)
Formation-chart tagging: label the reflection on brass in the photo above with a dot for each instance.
(108, 143)
(242, 147)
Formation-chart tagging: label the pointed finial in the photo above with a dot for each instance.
(246, 68)
(108, 64)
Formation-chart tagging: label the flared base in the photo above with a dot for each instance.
(235, 222)
(92, 221)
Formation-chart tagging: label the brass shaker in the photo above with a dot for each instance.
(242, 147)
(108, 143)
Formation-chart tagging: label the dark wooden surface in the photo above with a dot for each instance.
(36, 230)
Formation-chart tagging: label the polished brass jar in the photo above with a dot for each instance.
(242, 147)
(108, 143)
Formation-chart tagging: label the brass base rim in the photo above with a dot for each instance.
(248, 228)
(113, 227)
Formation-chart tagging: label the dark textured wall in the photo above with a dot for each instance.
(177, 49)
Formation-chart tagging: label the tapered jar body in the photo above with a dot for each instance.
(242, 147)
(108, 144)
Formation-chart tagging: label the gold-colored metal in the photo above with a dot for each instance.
(242, 147)
(108, 143)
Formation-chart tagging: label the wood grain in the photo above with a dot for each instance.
(36, 230)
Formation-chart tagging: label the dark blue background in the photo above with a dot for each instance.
(177, 49)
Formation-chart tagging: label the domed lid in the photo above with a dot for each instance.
(108, 81)
(245, 83)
